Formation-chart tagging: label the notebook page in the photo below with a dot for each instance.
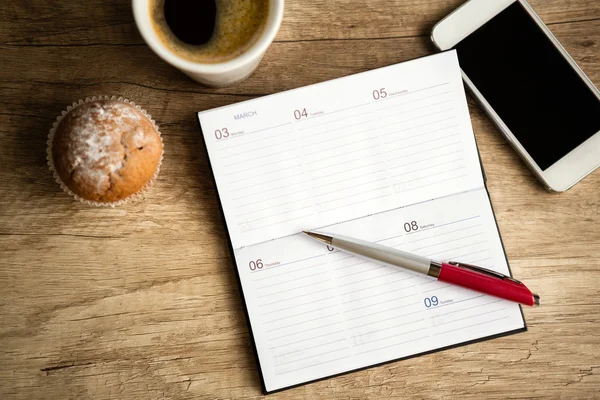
(342, 149)
(316, 311)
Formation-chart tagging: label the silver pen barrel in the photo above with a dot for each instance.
(379, 253)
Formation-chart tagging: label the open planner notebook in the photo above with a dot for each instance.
(387, 156)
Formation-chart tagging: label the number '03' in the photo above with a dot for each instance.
(222, 133)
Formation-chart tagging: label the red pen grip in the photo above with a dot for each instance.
(503, 288)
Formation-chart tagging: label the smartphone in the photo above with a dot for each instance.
(533, 91)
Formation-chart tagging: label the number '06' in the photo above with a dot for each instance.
(254, 265)
(222, 133)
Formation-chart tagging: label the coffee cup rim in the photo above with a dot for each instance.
(142, 19)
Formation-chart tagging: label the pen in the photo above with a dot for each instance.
(468, 276)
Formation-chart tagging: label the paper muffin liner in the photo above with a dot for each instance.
(131, 198)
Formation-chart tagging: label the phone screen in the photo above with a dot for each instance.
(530, 85)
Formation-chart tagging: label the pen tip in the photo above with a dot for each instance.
(536, 299)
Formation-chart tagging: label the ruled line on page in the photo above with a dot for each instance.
(424, 151)
(379, 128)
(313, 365)
(410, 92)
(297, 296)
(423, 142)
(225, 140)
(258, 148)
(434, 174)
(268, 173)
(360, 185)
(258, 157)
(270, 190)
(299, 305)
(396, 272)
(313, 356)
(398, 105)
(332, 122)
(414, 321)
(349, 179)
(419, 134)
(306, 330)
(296, 287)
(302, 322)
(420, 329)
(273, 198)
(280, 283)
(313, 347)
(332, 112)
(344, 145)
(353, 168)
(276, 223)
(414, 127)
(381, 117)
(450, 161)
(375, 286)
(351, 265)
(395, 317)
(445, 233)
(281, 213)
(425, 159)
(462, 309)
(304, 340)
(345, 162)
(446, 242)
(435, 183)
(415, 100)
(411, 119)
(255, 184)
(322, 203)
(455, 248)
(263, 165)
(296, 315)
(380, 294)
(362, 201)
(294, 262)
(272, 207)
(335, 130)
(441, 225)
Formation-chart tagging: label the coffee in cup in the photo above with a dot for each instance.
(208, 31)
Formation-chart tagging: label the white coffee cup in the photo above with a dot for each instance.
(213, 74)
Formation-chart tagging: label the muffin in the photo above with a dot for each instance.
(105, 151)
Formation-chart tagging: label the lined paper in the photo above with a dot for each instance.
(342, 149)
(386, 156)
(317, 312)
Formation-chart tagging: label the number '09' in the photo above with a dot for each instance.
(431, 301)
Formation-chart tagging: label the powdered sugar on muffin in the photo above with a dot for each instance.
(105, 150)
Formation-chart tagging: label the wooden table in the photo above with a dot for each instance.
(141, 301)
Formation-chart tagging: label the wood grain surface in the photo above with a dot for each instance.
(141, 301)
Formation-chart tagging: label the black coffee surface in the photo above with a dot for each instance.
(191, 21)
